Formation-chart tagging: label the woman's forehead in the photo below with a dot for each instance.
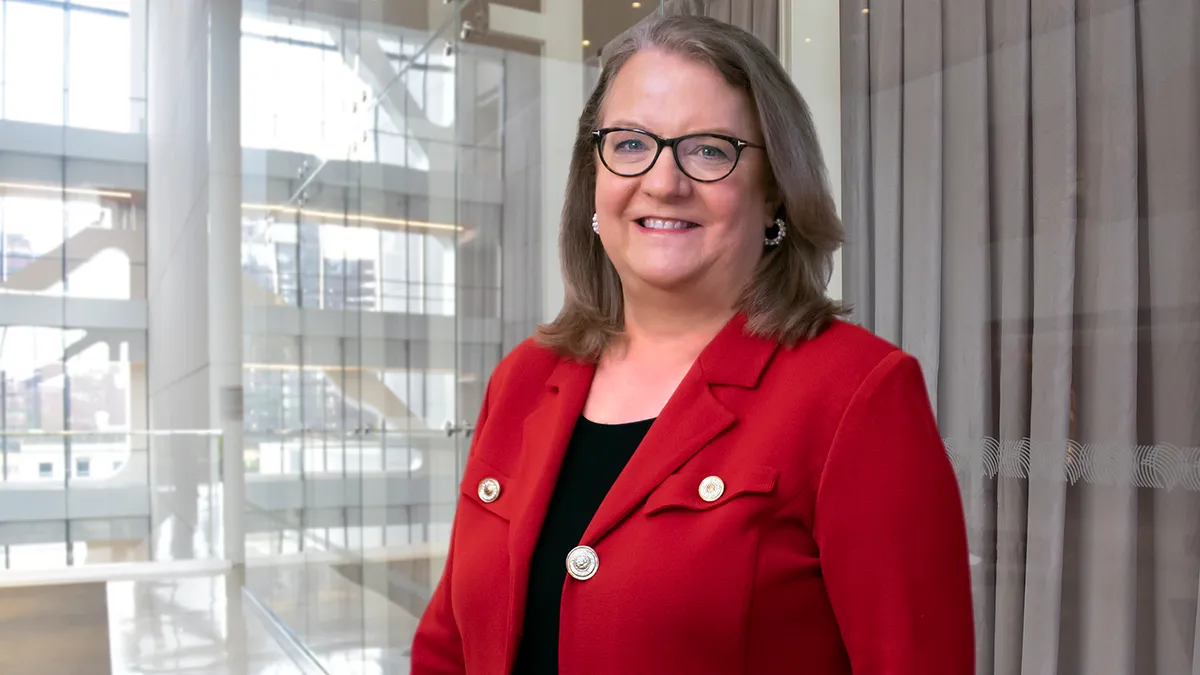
(670, 95)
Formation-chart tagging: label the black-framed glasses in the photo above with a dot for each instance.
(705, 158)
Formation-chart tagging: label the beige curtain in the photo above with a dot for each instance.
(760, 17)
(1021, 181)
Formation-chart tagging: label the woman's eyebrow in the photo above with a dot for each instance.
(722, 131)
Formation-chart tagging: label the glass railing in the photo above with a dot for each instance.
(78, 498)
(370, 492)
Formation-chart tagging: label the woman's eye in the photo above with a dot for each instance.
(631, 145)
(711, 152)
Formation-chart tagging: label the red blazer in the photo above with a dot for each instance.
(838, 545)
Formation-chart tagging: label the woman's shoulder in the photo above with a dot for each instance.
(846, 343)
(840, 358)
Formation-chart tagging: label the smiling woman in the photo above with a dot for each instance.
(697, 467)
(714, 100)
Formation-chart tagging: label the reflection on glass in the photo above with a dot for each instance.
(73, 58)
(57, 380)
(321, 265)
(282, 110)
(90, 237)
(301, 94)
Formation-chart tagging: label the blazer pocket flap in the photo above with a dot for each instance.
(695, 491)
(489, 487)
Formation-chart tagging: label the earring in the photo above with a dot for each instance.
(595, 223)
(778, 238)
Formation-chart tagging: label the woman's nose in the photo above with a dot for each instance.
(664, 179)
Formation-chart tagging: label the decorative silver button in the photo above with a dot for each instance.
(582, 563)
(489, 490)
(712, 488)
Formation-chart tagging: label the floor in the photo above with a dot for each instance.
(353, 617)
(197, 625)
(53, 629)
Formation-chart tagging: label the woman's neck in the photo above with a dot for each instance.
(671, 327)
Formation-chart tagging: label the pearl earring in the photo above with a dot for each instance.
(596, 223)
(778, 238)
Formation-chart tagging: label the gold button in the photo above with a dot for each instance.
(582, 563)
(489, 490)
(712, 488)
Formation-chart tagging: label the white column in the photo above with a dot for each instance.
(225, 261)
(562, 101)
(810, 47)
(559, 27)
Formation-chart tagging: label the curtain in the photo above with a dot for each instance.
(760, 17)
(1020, 195)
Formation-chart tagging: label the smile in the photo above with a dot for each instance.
(661, 224)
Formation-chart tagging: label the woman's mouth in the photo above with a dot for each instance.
(663, 224)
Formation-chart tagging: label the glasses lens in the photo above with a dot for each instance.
(628, 153)
(706, 157)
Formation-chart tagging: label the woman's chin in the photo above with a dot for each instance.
(672, 279)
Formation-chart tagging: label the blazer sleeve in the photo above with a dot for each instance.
(889, 525)
(437, 645)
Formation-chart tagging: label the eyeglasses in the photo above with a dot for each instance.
(705, 158)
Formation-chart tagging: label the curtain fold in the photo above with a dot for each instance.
(1022, 215)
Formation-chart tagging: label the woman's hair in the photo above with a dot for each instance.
(785, 300)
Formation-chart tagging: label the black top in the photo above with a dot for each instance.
(595, 457)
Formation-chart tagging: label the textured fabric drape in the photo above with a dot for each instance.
(760, 17)
(1021, 184)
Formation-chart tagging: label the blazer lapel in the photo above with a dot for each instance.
(544, 438)
(692, 418)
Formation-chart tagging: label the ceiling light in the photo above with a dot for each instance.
(587, 43)
(866, 10)
(338, 216)
(637, 5)
(34, 187)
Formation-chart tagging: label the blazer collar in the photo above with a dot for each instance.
(734, 357)
(692, 417)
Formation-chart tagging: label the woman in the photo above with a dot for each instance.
(697, 468)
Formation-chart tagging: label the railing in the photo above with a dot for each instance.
(364, 492)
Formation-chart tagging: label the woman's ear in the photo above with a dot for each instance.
(776, 210)
(774, 201)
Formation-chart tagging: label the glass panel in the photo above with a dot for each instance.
(411, 197)
(75, 486)
(91, 228)
(33, 62)
(99, 69)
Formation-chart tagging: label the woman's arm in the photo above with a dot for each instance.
(437, 646)
(890, 529)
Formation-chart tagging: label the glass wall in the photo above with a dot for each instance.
(73, 474)
(391, 255)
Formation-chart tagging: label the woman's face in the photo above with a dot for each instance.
(704, 238)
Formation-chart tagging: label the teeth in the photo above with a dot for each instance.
(659, 224)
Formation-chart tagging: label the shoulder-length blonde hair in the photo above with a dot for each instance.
(785, 300)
